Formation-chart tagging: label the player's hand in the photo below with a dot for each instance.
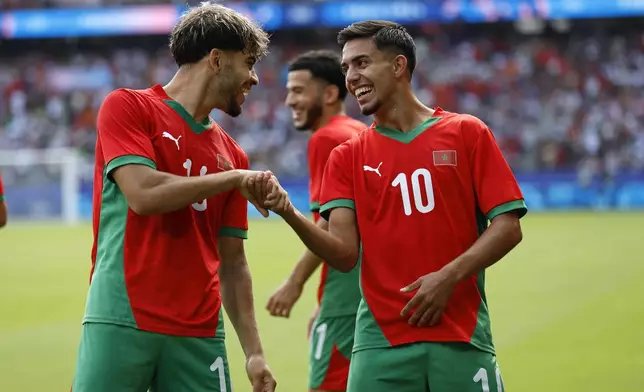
(433, 293)
(254, 187)
(260, 375)
(277, 199)
(282, 301)
(314, 317)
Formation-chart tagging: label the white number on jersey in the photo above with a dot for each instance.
(481, 376)
(218, 366)
(321, 331)
(201, 206)
(420, 178)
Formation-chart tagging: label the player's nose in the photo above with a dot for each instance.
(254, 79)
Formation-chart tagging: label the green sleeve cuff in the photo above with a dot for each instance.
(325, 210)
(1, 198)
(128, 160)
(314, 206)
(233, 232)
(517, 206)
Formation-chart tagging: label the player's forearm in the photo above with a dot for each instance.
(3, 214)
(167, 192)
(322, 243)
(498, 240)
(237, 297)
(309, 261)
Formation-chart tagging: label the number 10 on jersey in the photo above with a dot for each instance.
(421, 182)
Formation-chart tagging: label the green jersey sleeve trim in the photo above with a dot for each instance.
(325, 210)
(518, 206)
(233, 232)
(314, 206)
(1, 198)
(128, 160)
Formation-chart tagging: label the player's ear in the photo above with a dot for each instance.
(331, 94)
(215, 60)
(400, 65)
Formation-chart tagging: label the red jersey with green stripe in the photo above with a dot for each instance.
(159, 272)
(421, 198)
(338, 293)
(1, 190)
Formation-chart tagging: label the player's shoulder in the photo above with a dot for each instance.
(342, 127)
(230, 142)
(468, 125)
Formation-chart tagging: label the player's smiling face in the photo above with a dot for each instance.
(235, 80)
(369, 73)
(304, 98)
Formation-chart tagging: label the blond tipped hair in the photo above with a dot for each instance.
(211, 26)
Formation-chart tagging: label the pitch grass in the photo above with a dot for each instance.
(567, 306)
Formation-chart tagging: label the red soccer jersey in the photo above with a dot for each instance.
(1, 190)
(421, 198)
(338, 293)
(159, 272)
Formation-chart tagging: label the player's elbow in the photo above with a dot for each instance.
(514, 232)
(142, 205)
(347, 262)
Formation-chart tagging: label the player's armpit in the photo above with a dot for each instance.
(237, 293)
(149, 191)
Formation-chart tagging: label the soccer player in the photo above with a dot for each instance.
(169, 222)
(316, 93)
(3, 206)
(414, 192)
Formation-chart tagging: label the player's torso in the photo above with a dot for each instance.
(416, 210)
(169, 262)
(186, 148)
(338, 292)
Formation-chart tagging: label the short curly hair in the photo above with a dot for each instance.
(211, 26)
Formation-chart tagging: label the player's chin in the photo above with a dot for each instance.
(368, 109)
(234, 110)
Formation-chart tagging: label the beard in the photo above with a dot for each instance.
(313, 114)
(229, 89)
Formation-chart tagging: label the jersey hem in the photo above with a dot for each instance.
(516, 205)
(233, 232)
(314, 206)
(362, 347)
(128, 160)
(325, 209)
(187, 332)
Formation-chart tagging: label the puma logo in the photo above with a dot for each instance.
(176, 141)
(371, 169)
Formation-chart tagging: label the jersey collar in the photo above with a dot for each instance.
(197, 127)
(408, 137)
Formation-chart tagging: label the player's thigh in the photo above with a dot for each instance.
(463, 367)
(331, 343)
(193, 365)
(400, 369)
(115, 358)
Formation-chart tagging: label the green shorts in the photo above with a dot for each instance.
(115, 358)
(425, 367)
(330, 352)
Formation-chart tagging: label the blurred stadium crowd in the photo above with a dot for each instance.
(570, 101)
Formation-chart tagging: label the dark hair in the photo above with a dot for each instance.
(209, 26)
(387, 35)
(324, 65)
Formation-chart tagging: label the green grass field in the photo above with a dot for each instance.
(567, 305)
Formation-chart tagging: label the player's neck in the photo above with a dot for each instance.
(327, 115)
(188, 89)
(403, 112)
